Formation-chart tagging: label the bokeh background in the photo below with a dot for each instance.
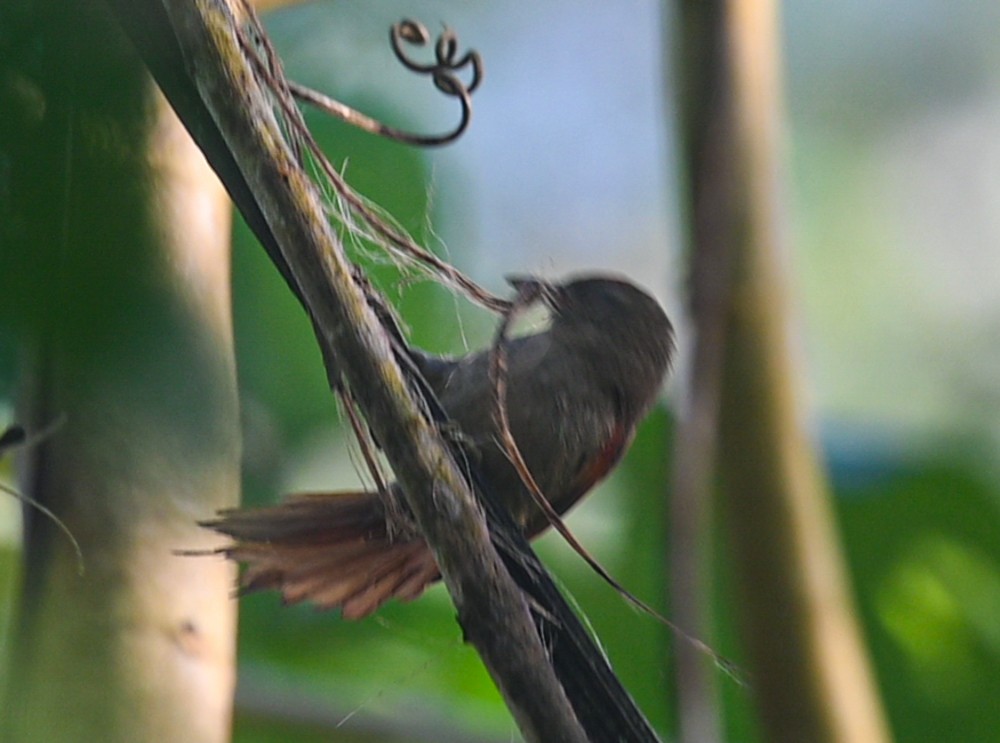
(892, 197)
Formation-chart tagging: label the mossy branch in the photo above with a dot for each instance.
(492, 610)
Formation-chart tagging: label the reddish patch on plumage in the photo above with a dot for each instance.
(598, 467)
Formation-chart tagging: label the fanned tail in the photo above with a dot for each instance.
(331, 549)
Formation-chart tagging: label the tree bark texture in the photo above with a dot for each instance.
(121, 293)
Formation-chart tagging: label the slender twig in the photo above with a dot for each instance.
(363, 438)
(443, 72)
(12, 436)
(15, 437)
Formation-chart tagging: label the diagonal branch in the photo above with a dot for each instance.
(491, 609)
(601, 704)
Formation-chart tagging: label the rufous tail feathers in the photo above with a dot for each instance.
(328, 548)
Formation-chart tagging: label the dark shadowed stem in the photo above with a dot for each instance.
(707, 134)
(491, 609)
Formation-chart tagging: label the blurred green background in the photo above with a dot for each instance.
(893, 197)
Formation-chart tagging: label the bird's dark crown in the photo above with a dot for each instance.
(610, 315)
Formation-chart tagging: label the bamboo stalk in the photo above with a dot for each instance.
(810, 670)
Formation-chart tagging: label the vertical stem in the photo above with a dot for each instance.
(126, 256)
(810, 671)
(707, 133)
(811, 674)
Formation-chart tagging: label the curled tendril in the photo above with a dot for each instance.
(443, 71)
(446, 61)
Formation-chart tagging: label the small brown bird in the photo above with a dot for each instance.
(575, 394)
